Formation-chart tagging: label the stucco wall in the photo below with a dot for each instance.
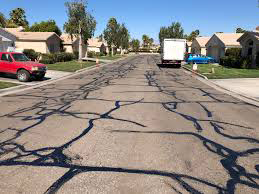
(53, 44)
(93, 49)
(68, 48)
(203, 51)
(37, 46)
(196, 49)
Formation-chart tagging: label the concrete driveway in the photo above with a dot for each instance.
(51, 75)
(245, 86)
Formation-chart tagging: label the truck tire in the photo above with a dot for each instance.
(23, 75)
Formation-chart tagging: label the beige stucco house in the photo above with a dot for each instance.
(43, 42)
(97, 46)
(7, 40)
(70, 44)
(220, 42)
(250, 46)
(188, 46)
(199, 45)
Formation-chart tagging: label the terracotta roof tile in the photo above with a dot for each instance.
(67, 38)
(229, 39)
(202, 40)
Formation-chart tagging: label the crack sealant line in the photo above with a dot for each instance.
(60, 79)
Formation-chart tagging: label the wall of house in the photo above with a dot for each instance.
(35, 45)
(68, 48)
(93, 49)
(215, 48)
(53, 44)
(195, 49)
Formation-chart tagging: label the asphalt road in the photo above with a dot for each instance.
(130, 127)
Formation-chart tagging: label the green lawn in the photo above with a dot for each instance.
(112, 58)
(4, 85)
(224, 72)
(70, 66)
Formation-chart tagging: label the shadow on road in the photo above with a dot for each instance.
(46, 105)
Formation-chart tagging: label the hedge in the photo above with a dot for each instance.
(31, 54)
(57, 57)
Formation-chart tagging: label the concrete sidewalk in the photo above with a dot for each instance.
(245, 86)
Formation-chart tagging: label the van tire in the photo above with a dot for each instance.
(23, 75)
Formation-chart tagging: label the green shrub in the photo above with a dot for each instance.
(56, 57)
(233, 52)
(235, 62)
(76, 54)
(257, 59)
(63, 57)
(31, 54)
(91, 54)
(48, 59)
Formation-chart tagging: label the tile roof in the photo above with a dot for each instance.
(94, 42)
(202, 40)
(41, 36)
(229, 39)
(67, 38)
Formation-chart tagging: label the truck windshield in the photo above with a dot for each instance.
(20, 57)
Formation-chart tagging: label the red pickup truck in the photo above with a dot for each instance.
(21, 66)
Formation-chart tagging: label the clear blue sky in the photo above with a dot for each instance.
(147, 16)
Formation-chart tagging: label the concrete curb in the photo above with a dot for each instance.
(247, 99)
(14, 90)
(202, 76)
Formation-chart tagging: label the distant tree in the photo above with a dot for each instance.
(193, 35)
(240, 30)
(45, 26)
(111, 33)
(135, 44)
(145, 39)
(2, 20)
(18, 17)
(80, 23)
(173, 31)
(123, 38)
(151, 41)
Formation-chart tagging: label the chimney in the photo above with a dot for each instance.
(257, 28)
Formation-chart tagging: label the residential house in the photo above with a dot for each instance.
(43, 42)
(250, 46)
(7, 40)
(70, 44)
(220, 42)
(199, 45)
(188, 46)
(97, 46)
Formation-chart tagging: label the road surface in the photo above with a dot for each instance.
(130, 127)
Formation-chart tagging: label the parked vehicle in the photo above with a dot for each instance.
(21, 66)
(173, 51)
(201, 59)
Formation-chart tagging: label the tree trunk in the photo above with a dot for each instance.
(121, 50)
(80, 50)
(112, 51)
